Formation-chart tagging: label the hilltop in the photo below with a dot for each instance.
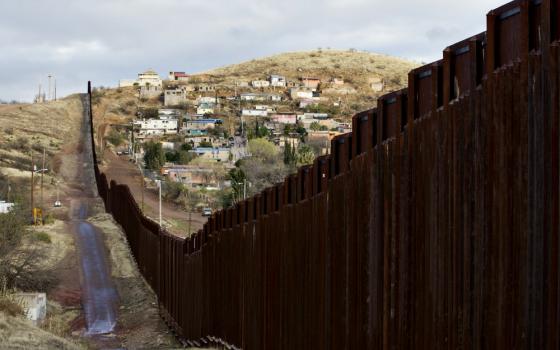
(358, 69)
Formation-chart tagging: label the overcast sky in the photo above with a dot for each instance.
(108, 40)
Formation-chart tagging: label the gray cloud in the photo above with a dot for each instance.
(107, 40)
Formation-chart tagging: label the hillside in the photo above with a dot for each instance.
(358, 70)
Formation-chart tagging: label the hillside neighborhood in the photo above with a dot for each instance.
(214, 142)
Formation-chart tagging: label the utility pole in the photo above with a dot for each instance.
(42, 171)
(50, 95)
(55, 89)
(32, 185)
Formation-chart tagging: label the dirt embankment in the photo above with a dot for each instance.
(138, 323)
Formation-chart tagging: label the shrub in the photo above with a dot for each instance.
(9, 131)
(21, 144)
(115, 138)
(43, 237)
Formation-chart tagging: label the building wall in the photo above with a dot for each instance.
(175, 97)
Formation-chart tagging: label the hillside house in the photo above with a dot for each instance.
(299, 93)
(191, 175)
(205, 108)
(169, 112)
(205, 88)
(150, 91)
(178, 76)
(308, 102)
(207, 99)
(147, 128)
(254, 113)
(202, 124)
(194, 132)
(168, 145)
(260, 83)
(174, 97)
(293, 84)
(320, 116)
(277, 80)
(253, 97)
(212, 154)
(149, 78)
(274, 97)
(195, 141)
(284, 118)
(311, 83)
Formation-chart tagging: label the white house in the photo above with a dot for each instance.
(274, 97)
(149, 78)
(155, 127)
(296, 93)
(254, 113)
(207, 99)
(264, 108)
(205, 108)
(284, 118)
(213, 154)
(202, 124)
(260, 83)
(277, 80)
(253, 97)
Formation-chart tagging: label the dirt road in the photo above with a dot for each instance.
(175, 219)
(113, 301)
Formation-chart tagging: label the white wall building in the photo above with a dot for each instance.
(175, 97)
(205, 108)
(296, 93)
(254, 113)
(149, 78)
(155, 127)
(260, 83)
(277, 80)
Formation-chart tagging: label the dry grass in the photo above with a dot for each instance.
(18, 333)
(355, 67)
(358, 69)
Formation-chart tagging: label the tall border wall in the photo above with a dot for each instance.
(433, 225)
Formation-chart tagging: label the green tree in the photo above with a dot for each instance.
(186, 147)
(185, 157)
(315, 126)
(154, 156)
(289, 154)
(305, 155)
(237, 178)
(263, 149)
